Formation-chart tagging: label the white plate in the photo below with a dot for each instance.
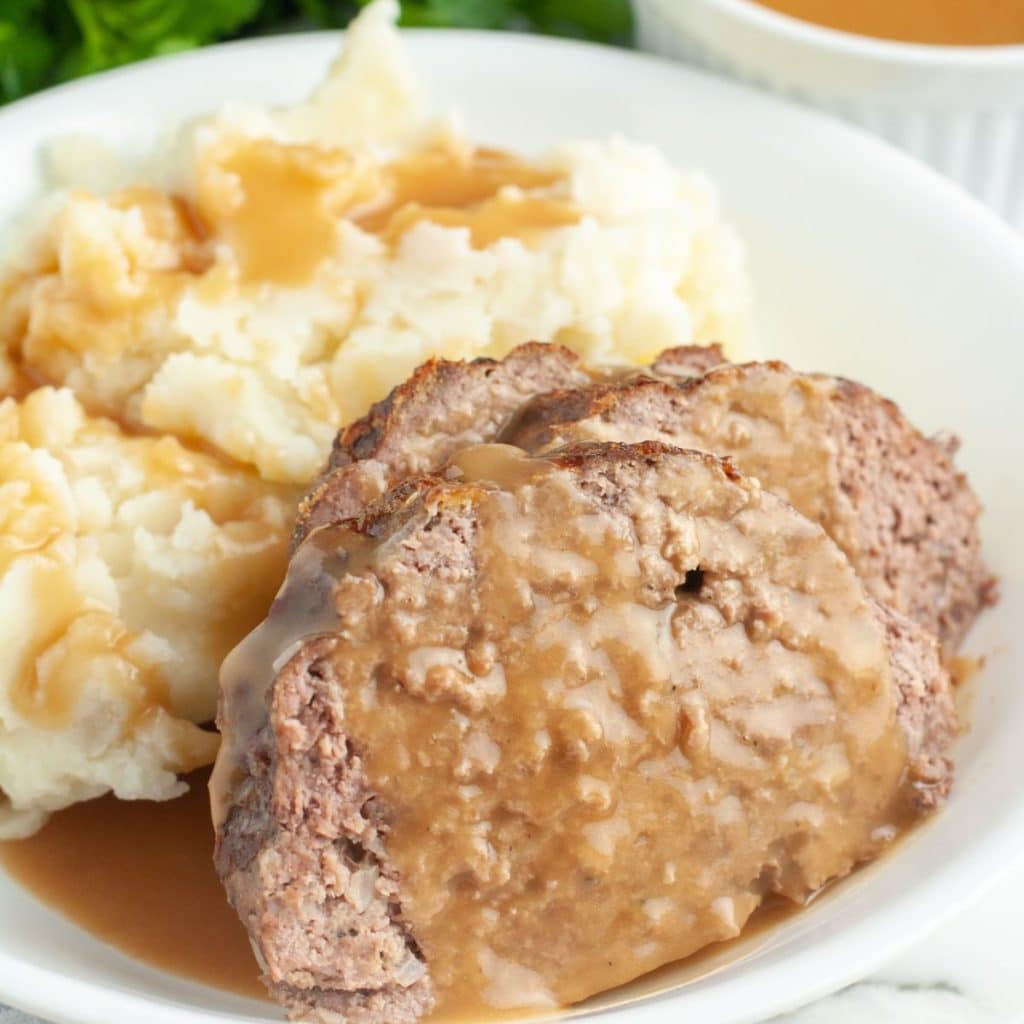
(864, 263)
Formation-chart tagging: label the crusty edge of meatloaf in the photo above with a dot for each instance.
(443, 406)
(305, 834)
(910, 500)
(452, 403)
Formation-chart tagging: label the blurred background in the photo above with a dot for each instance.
(43, 42)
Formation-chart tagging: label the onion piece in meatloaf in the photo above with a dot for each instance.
(533, 726)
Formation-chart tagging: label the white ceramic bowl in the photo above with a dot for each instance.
(874, 267)
(960, 108)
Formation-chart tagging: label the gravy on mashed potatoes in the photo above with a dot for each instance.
(181, 340)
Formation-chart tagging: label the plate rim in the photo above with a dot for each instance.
(836, 960)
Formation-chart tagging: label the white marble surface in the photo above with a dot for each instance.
(971, 971)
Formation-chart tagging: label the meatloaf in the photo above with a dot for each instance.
(442, 407)
(448, 404)
(890, 497)
(844, 456)
(529, 727)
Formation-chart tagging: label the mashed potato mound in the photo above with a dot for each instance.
(128, 567)
(246, 291)
(309, 259)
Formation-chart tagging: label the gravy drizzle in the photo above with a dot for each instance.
(302, 610)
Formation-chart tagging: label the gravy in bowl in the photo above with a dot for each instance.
(936, 22)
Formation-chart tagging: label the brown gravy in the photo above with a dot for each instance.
(283, 227)
(670, 977)
(938, 22)
(139, 876)
(449, 179)
(115, 867)
(493, 219)
(282, 216)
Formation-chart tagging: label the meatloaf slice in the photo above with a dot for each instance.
(446, 405)
(844, 456)
(530, 727)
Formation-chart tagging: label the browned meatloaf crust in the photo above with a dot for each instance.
(302, 859)
(442, 407)
(302, 846)
(890, 497)
(446, 405)
(688, 361)
(927, 712)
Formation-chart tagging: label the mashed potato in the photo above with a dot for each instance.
(311, 258)
(254, 286)
(128, 567)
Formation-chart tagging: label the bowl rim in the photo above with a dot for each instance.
(932, 56)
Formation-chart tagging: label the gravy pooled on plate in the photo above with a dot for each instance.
(138, 874)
